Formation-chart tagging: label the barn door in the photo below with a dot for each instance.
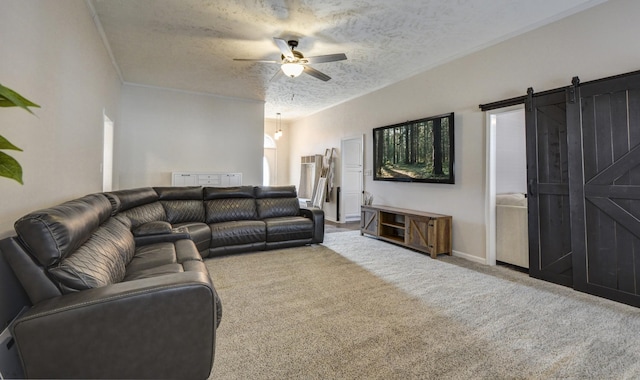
(550, 250)
(606, 118)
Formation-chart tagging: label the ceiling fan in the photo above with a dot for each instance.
(293, 63)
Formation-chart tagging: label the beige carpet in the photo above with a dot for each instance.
(358, 308)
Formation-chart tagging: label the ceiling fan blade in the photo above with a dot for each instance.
(277, 75)
(315, 73)
(326, 58)
(254, 60)
(284, 47)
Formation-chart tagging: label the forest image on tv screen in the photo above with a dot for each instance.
(419, 150)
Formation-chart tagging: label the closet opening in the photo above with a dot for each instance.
(507, 231)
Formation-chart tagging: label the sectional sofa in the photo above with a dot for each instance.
(118, 283)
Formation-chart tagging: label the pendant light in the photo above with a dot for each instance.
(278, 133)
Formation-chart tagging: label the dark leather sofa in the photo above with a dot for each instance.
(223, 220)
(117, 280)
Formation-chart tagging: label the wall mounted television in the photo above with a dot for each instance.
(415, 151)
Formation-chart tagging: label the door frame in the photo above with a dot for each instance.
(490, 190)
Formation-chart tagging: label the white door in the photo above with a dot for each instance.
(351, 192)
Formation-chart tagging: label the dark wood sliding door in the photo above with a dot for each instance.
(550, 250)
(605, 124)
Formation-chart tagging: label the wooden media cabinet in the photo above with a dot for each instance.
(423, 231)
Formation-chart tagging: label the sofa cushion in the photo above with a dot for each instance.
(237, 233)
(100, 261)
(225, 204)
(173, 193)
(52, 234)
(277, 207)
(189, 266)
(152, 255)
(182, 204)
(123, 200)
(229, 209)
(275, 192)
(289, 228)
(163, 258)
(150, 212)
(155, 271)
(210, 193)
(158, 254)
(184, 211)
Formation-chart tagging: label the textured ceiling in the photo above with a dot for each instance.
(190, 44)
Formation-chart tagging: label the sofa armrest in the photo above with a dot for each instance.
(152, 228)
(160, 327)
(158, 232)
(317, 217)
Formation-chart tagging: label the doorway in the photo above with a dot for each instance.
(583, 185)
(107, 154)
(351, 191)
(506, 167)
(269, 162)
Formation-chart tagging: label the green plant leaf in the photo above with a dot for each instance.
(10, 98)
(10, 168)
(5, 144)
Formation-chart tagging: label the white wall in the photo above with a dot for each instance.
(511, 153)
(164, 130)
(52, 54)
(596, 43)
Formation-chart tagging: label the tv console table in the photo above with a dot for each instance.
(423, 231)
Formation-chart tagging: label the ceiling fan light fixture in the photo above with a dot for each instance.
(292, 69)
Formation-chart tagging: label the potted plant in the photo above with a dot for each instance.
(9, 166)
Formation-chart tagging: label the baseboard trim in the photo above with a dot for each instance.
(476, 259)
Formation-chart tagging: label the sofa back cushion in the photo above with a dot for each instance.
(278, 207)
(225, 204)
(100, 261)
(139, 205)
(52, 234)
(123, 200)
(78, 242)
(140, 215)
(276, 192)
(276, 201)
(182, 204)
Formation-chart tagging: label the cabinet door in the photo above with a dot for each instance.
(369, 221)
(210, 180)
(440, 235)
(420, 233)
(183, 179)
(235, 179)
